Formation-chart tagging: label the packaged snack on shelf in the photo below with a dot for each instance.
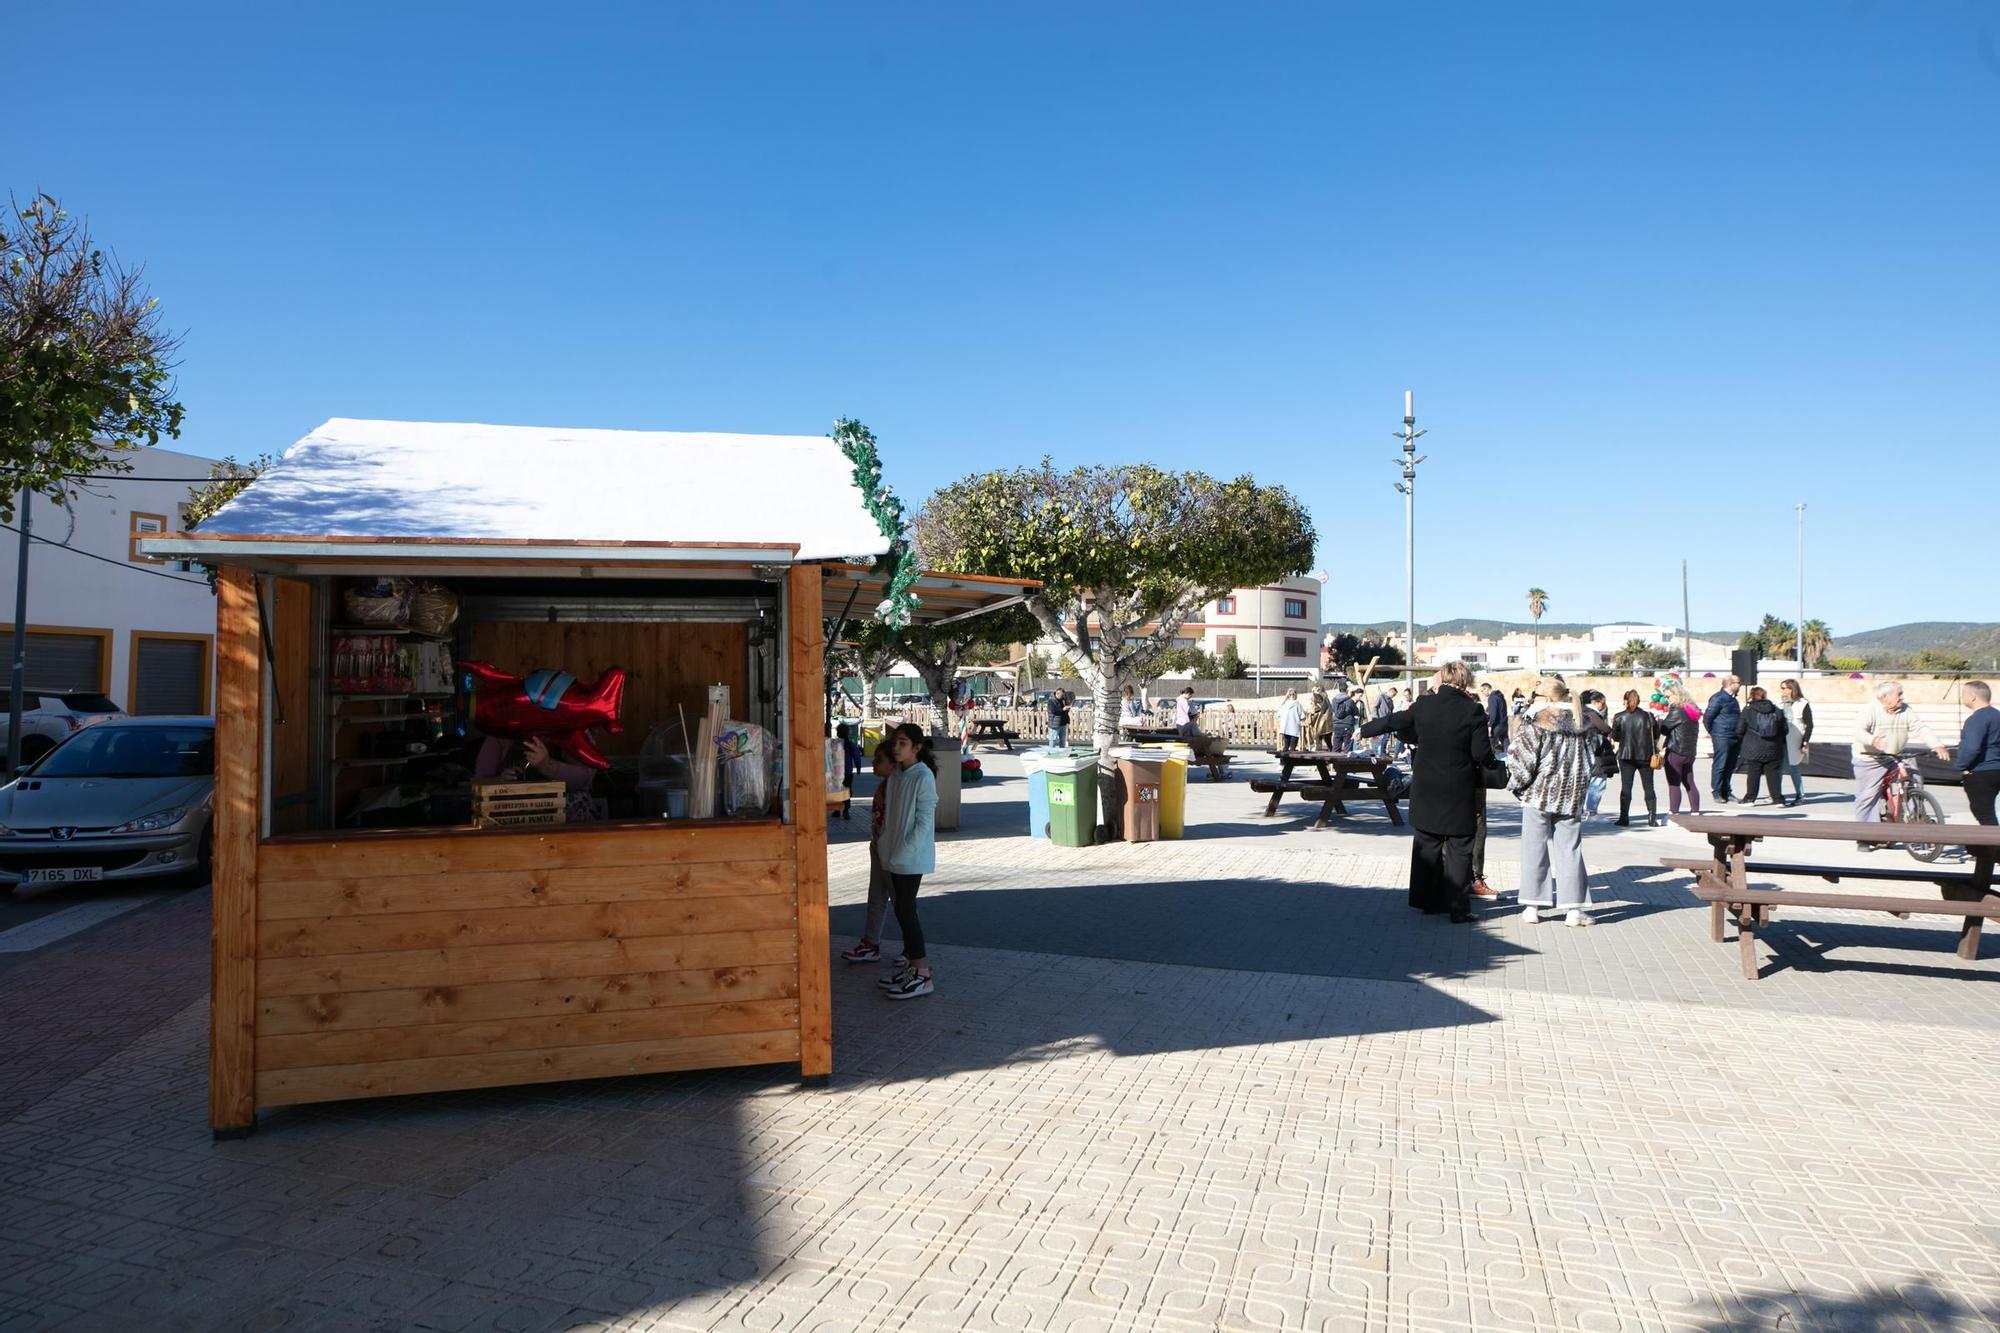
(741, 748)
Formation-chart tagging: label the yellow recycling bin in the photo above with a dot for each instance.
(871, 736)
(1173, 791)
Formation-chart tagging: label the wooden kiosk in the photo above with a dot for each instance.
(354, 961)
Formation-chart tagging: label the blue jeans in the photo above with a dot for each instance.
(1593, 795)
(1796, 773)
(1723, 768)
(1059, 735)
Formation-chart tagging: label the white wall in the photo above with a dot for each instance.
(65, 589)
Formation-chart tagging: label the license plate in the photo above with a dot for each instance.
(72, 875)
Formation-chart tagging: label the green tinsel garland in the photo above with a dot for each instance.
(899, 562)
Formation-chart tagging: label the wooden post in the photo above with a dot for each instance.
(806, 762)
(239, 755)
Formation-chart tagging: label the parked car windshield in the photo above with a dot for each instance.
(90, 703)
(109, 750)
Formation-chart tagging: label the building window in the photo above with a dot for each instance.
(170, 674)
(1225, 606)
(144, 525)
(1295, 647)
(1295, 608)
(1223, 643)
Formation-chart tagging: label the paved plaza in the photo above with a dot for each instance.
(1225, 1083)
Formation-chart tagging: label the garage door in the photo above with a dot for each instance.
(65, 663)
(168, 676)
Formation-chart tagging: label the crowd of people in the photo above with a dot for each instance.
(1557, 756)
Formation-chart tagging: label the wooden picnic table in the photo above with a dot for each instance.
(987, 730)
(1724, 881)
(1339, 775)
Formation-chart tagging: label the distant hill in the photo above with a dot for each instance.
(1978, 640)
(1974, 639)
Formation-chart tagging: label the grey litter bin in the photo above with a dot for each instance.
(948, 784)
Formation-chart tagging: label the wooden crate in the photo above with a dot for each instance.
(518, 804)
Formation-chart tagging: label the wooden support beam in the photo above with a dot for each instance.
(805, 705)
(239, 757)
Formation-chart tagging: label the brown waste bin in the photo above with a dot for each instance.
(1141, 773)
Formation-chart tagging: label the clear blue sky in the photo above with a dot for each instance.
(1654, 272)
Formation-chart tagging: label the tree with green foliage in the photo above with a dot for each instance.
(1844, 663)
(1629, 653)
(1775, 638)
(1941, 660)
(1124, 554)
(86, 371)
(1818, 639)
(1748, 642)
(938, 651)
(1037, 665)
(1538, 602)
(1661, 659)
(1229, 663)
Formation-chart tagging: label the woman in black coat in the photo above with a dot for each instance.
(1763, 746)
(1447, 788)
(1636, 736)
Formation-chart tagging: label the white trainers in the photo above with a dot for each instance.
(1577, 917)
(913, 985)
(1530, 914)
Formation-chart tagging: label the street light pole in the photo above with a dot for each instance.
(16, 697)
(1409, 435)
(1799, 633)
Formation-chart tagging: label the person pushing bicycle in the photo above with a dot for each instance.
(1887, 728)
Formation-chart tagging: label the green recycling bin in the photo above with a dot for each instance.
(1072, 778)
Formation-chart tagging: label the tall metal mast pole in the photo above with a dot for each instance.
(1409, 435)
(1799, 633)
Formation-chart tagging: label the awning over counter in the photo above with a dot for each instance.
(942, 597)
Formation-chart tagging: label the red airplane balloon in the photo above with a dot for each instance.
(545, 703)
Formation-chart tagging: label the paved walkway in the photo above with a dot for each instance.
(1228, 1083)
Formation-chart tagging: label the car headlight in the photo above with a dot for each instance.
(154, 822)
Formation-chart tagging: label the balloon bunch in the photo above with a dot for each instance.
(1661, 684)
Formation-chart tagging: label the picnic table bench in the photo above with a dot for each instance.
(1340, 779)
(1723, 881)
(1208, 750)
(987, 730)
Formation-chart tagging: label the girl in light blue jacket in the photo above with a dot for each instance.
(909, 850)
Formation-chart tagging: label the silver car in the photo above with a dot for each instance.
(128, 798)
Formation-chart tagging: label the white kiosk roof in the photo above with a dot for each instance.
(437, 491)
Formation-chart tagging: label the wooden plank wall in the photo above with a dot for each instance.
(665, 665)
(414, 964)
(239, 758)
(805, 700)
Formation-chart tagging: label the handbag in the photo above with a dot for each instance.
(1494, 776)
(1658, 761)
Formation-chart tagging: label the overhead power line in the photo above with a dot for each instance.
(118, 564)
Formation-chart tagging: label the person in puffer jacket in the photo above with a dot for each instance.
(1549, 765)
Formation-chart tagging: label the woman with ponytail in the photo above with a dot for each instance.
(909, 850)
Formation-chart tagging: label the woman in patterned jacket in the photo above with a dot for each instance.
(1548, 769)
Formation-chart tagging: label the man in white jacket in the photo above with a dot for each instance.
(1888, 726)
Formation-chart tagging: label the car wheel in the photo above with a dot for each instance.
(204, 860)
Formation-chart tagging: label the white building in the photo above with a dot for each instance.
(1275, 626)
(102, 618)
(1522, 650)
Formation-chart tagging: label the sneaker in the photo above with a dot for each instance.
(1530, 914)
(1577, 917)
(915, 985)
(897, 977)
(863, 952)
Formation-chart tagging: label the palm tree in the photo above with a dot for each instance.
(1817, 638)
(1538, 602)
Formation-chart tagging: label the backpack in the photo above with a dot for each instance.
(1767, 722)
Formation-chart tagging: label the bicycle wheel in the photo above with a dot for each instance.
(1920, 807)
